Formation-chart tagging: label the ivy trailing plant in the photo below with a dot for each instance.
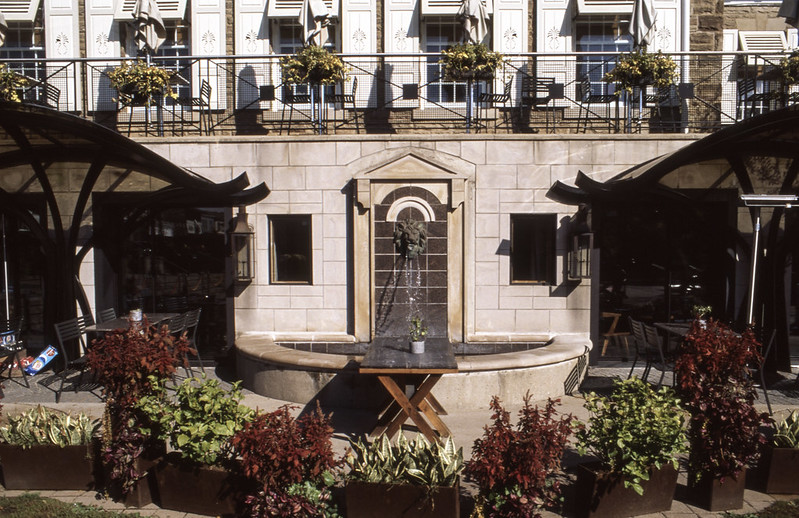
(139, 79)
(715, 385)
(517, 468)
(789, 68)
(315, 65)
(11, 83)
(42, 426)
(470, 61)
(634, 429)
(130, 364)
(289, 463)
(641, 68)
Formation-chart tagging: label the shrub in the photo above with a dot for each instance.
(139, 78)
(470, 60)
(516, 468)
(10, 83)
(41, 426)
(641, 68)
(314, 64)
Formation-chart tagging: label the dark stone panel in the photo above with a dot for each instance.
(440, 212)
(436, 279)
(437, 295)
(384, 229)
(384, 245)
(410, 213)
(436, 229)
(435, 317)
(386, 261)
(437, 245)
(380, 212)
(437, 262)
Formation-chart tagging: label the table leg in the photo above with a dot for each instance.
(410, 407)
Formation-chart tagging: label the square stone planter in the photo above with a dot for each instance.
(600, 494)
(711, 494)
(779, 468)
(50, 467)
(207, 490)
(372, 500)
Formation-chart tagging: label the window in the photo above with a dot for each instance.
(440, 34)
(532, 248)
(291, 41)
(25, 40)
(290, 249)
(600, 34)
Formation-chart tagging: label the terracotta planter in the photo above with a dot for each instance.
(49, 467)
(709, 493)
(371, 500)
(207, 490)
(602, 494)
(778, 467)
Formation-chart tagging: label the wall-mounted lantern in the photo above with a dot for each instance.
(581, 242)
(241, 246)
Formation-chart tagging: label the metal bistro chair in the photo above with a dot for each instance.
(191, 323)
(11, 345)
(344, 100)
(586, 98)
(493, 99)
(202, 104)
(177, 326)
(538, 92)
(290, 99)
(66, 332)
(655, 352)
(104, 315)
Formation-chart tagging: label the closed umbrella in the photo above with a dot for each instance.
(642, 23)
(473, 15)
(790, 11)
(150, 30)
(313, 16)
(3, 29)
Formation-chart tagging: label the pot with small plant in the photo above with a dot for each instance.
(406, 479)
(725, 435)
(637, 434)
(49, 449)
(198, 421)
(141, 80)
(288, 464)
(517, 469)
(779, 461)
(129, 364)
(418, 332)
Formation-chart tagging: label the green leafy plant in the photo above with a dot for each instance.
(314, 64)
(789, 68)
(517, 468)
(634, 429)
(200, 419)
(406, 461)
(417, 329)
(641, 68)
(11, 83)
(143, 80)
(41, 426)
(786, 434)
(700, 311)
(470, 61)
(289, 462)
(714, 382)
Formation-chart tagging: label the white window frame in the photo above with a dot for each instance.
(19, 10)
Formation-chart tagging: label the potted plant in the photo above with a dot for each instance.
(640, 68)
(517, 469)
(724, 431)
(779, 462)
(129, 363)
(789, 68)
(637, 435)
(11, 83)
(464, 61)
(417, 333)
(199, 421)
(315, 65)
(408, 479)
(141, 80)
(48, 449)
(288, 463)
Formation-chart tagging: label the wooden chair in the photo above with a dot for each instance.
(11, 345)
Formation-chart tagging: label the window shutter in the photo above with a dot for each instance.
(170, 9)
(449, 7)
(19, 10)
(291, 8)
(604, 7)
(767, 44)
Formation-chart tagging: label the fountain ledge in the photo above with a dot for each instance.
(272, 370)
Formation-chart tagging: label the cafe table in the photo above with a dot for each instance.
(396, 367)
(123, 322)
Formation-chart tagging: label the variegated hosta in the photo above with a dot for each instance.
(787, 434)
(43, 426)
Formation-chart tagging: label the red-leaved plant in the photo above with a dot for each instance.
(289, 463)
(127, 362)
(713, 378)
(517, 468)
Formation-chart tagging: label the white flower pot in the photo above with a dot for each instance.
(417, 347)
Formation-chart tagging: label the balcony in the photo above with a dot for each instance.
(391, 93)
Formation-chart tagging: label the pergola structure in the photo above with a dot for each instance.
(755, 157)
(62, 161)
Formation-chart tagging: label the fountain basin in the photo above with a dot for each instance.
(306, 374)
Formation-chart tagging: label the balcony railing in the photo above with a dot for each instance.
(391, 93)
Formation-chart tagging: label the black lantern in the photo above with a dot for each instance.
(581, 241)
(241, 247)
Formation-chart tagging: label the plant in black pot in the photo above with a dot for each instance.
(130, 364)
(637, 435)
(712, 371)
(517, 468)
(779, 462)
(199, 421)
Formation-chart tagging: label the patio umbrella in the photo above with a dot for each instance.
(642, 23)
(3, 29)
(313, 16)
(790, 11)
(474, 17)
(150, 31)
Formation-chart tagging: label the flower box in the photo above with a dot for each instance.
(207, 490)
(712, 494)
(375, 500)
(602, 494)
(49, 467)
(778, 468)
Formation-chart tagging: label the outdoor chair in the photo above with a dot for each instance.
(50, 95)
(290, 99)
(11, 345)
(190, 324)
(85, 321)
(489, 99)
(202, 104)
(344, 100)
(639, 341)
(754, 97)
(538, 92)
(586, 98)
(175, 304)
(104, 315)
(655, 353)
(761, 369)
(68, 332)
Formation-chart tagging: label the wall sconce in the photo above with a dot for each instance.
(241, 247)
(580, 256)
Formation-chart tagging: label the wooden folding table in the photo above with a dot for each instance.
(395, 367)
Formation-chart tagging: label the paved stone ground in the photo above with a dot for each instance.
(466, 427)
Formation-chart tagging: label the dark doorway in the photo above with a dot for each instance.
(167, 260)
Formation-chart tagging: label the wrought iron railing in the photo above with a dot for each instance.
(391, 93)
